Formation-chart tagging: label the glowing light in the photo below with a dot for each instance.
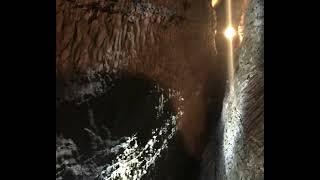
(214, 3)
(230, 32)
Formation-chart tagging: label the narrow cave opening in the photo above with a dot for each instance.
(129, 107)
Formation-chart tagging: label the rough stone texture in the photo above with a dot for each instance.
(86, 149)
(236, 151)
(170, 42)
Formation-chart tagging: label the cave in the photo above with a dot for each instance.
(124, 113)
(144, 90)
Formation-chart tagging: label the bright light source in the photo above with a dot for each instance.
(230, 32)
(214, 3)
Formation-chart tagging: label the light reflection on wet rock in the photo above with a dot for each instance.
(112, 156)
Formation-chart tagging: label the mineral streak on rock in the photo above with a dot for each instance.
(91, 31)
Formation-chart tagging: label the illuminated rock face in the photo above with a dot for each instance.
(236, 151)
(101, 44)
(170, 42)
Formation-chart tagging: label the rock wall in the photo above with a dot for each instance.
(173, 44)
(236, 150)
(170, 42)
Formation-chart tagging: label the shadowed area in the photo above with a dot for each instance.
(129, 107)
(141, 89)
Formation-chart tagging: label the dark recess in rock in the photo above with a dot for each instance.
(112, 55)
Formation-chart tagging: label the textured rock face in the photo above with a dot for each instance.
(98, 43)
(238, 146)
(120, 134)
(170, 42)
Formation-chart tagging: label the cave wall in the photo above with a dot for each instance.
(238, 144)
(170, 42)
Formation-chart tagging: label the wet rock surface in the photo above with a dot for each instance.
(120, 134)
(139, 85)
(170, 42)
(236, 150)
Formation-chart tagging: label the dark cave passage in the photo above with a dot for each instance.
(129, 102)
(127, 108)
